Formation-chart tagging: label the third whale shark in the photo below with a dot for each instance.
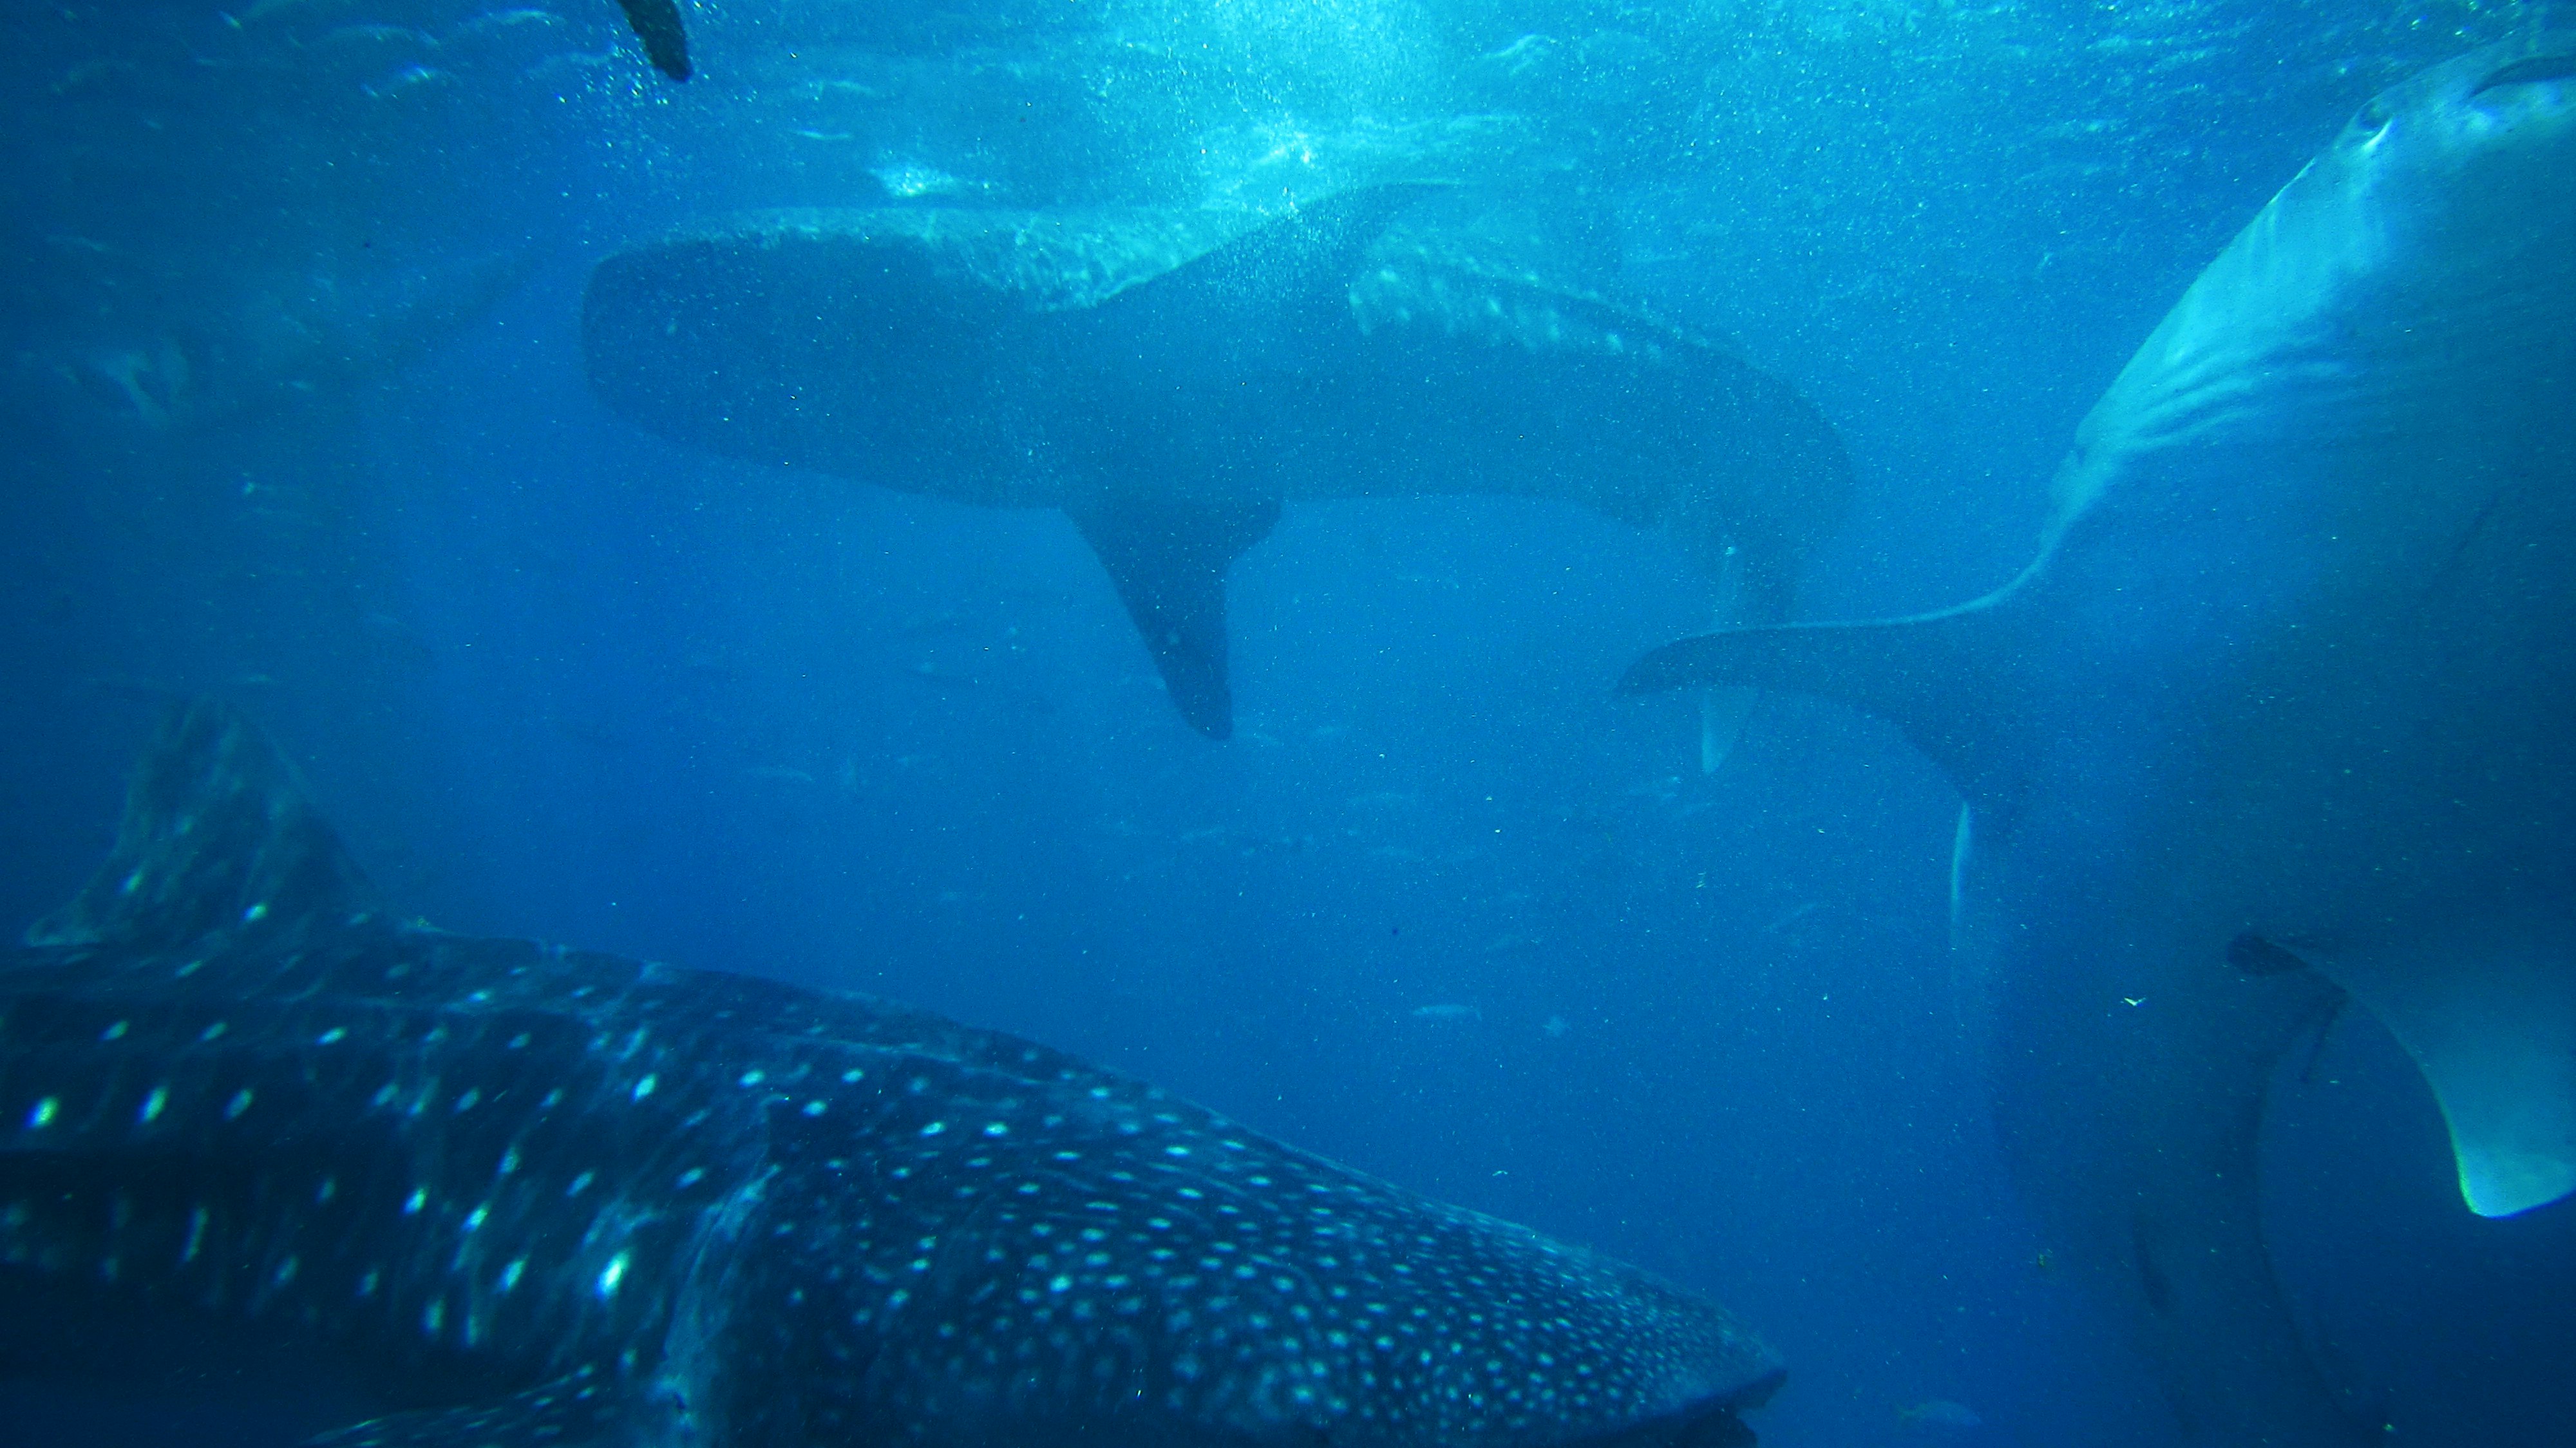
(2279, 716)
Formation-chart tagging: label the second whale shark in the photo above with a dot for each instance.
(517, 1195)
(1168, 377)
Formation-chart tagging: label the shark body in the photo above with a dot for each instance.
(1169, 377)
(2277, 719)
(525, 1195)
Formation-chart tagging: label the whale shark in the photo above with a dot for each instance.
(2277, 720)
(517, 1194)
(1168, 377)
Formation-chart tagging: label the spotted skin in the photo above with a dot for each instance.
(549, 1196)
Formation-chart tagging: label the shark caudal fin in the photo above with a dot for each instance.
(1937, 677)
(1168, 558)
(217, 837)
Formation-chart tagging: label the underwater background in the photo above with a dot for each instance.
(295, 413)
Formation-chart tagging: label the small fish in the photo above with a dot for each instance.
(1447, 1012)
(380, 35)
(912, 179)
(1941, 1414)
(406, 80)
(262, 10)
(1795, 914)
(509, 20)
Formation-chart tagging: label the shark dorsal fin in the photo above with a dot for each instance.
(1310, 251)
(1939, 677)
(217, 837)
(1258, 291)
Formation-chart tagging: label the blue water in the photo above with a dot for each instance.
(555, 678)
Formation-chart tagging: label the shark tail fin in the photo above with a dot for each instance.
(1934, 676)
(1168, 558)
(218, 837)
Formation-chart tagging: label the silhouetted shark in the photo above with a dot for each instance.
(2281, 712)
(526, 1195)
(1168, 377)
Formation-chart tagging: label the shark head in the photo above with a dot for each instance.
(2408, 252)
(2275, 719)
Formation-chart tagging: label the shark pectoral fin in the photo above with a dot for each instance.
(2495, 1035)
(1168, 558)
(1931, 676)
(569, 1412)
(217, 836)
(666, 41)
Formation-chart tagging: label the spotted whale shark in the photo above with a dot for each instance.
(525, 1195)
(2277, 720)
(1168, 377)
